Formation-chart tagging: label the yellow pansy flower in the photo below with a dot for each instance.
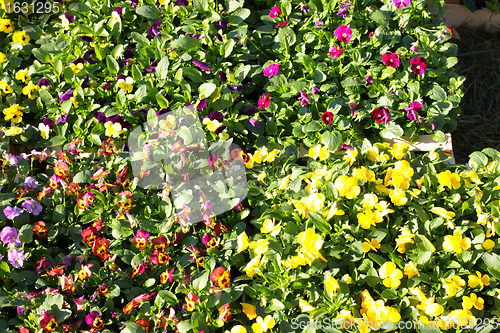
(126, 85)
(451, 285)
(456, 243)
(271, 156)
(283, 182)
(252, 266)
(406, 237)
(320, 152)
(346, 278)
(21, 37)
(14, 113)
(260, 246)
(350, 156)
(212, 125)
(311, 243)
(249, 310)
(305, 306)
(372, 244)
(242, 242)
(472, 301)
(263, 325)
(390, 274)
(2, 57)
(5, 87)
(333, 211)
(479, 279)
(23, 75)
(28, 90)
(460, 318)
(399, 150)
(369, 218)
(448, 179)
(398, 197)
(44, 130)
(364, 174)
(269, 227)
(347, 186)
(443, 213)
(6, 25)
(331, 284)
(488, 245)
(13, 131)
(411, 270)
(113, 129)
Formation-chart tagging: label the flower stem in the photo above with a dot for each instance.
(286, 44)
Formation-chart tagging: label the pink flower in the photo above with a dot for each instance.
(271, 70)
(327, 118)
(418, 65)
(335, 52)
(318, 23)
(275, 11)
(381, 115)
(411, 112)
(79, 302)
(141, 239)
(400, 3)
(264, 101)
(279, 25)
(391, 59)
(304, 98)
(343, 33)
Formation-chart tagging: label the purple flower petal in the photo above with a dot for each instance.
(49, 122)
(217, 116)
(154, 30)
(202, 104)
(202, 65)
(66, 96)
(222, 76)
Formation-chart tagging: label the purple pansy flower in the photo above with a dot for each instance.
(236, 87)
(69, 17)
(218, 36)
(44, 82)
(87, 56)
(85, 82)
(222, 24)
(10, 236)
(305, 9)
(202, 65)
(222, 76)
(400, 3)
(154, 30)
(62, 119)
(12, 212)
(128, 54)
(182, 3)
(32, 207)
(381, 114)
(202, 104)
(87, 39)
(66, 96)
(369, 79)
(16, 258)
(433, 124)
(343, 11)
(152, 68)
(217, 116)
(250, 109)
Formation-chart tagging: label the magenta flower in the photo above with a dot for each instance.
(271, 70)
(411, 112)
(202, 65)
(216, 162)
(369, 79)
(391, 59)
(12, 159)
(94, 320)
(32, 206)
(16, 258)
(335, 52)
(79, 302)
(10, 236)
(414, 48)
(216, 115)
(264, 101)
(275, 11)
(279, 25)
(327, 118)
(418, 65)
(210, 241)
(141, 239)
(305, 9)
(343, 33)
(318, 23)
(381, 115)
(314, 90)
(400, 3)
(304, 98)
(12, 212)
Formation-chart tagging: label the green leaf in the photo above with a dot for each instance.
(41, 55)
(201, 281)
(187, 43)
(352, 81)
(136, 73)
(165, 296)
(313, 126)
(184, 326)
(59, 213)
(239, 16)
(286, 37)
(132, 328)
(437, 93)
(79, 8)
(206, 89)
(150, 12)
(99, 52)
(386, 72)
(139, 39)
(200, 6)
(477, 159)
(121, 99)
(55, 141)
(439, 136)
(422, 215)
(113, 66)
(332, 140)
(391, 131)
(162, 101)
(381, 17)
(227, 49)
(26, 233)
(162, 68)
(275, 305)
(82, 177)
(320, 222)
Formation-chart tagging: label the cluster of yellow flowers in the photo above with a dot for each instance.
(313, 203)
(260, 156)
(374, 211)
(374, 313)
(14, 113)
(311, 243)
